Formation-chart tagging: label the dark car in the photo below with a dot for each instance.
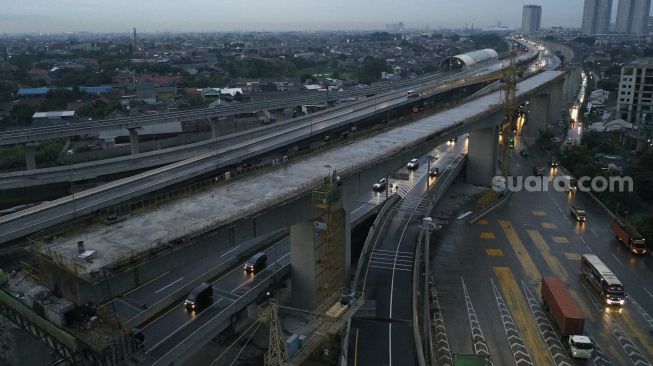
(200, 297)
(256, 262)
(538, 170)
(523, 152)
(554, 163)
(434, 172)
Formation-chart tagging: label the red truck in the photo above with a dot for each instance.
(627, 234)
(557, 301)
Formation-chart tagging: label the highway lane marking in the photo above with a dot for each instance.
(393, 252)
(390, 268)
(594, 232)
(545, 251)
(540, 321)
(520, 251)
(478, 340)
(494, 252)
(254, 276)
(168, 285)
(581, 239)
(617, 259)
(487, 236)
(236, 247)
(392, 289)
(464, 215)
(649, 294)
(519, 350)
(148, 282)
(183, 325)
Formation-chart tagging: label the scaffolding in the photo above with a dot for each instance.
(329, 238)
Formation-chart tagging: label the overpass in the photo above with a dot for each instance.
(227, 212)
(436, 84)
(65, 209)
(236, 210)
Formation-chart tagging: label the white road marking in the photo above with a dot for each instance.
(581, 239)
(617, 259)
(236, 247)
(390, 268)
(168, 285)
(649, 294)
(464, 215)
(588, 248)
(594, 232)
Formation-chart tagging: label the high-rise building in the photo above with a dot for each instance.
(635, 99)
(632, 16)
(531, 19)
(596, 16)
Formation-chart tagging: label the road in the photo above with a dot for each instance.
(498, 263)
(226, 289)
(388, 275)
(91, 170)
(46, 215)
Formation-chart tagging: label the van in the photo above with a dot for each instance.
(256, 262)
(200, 297)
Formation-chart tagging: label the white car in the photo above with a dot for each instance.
(380, 185)
(413, 164)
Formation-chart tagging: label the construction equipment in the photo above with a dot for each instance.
(329, 238)
(327, 322)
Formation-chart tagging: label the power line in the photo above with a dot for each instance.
(233, 343)
(246, 342)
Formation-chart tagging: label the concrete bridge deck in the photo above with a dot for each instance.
(253, 194)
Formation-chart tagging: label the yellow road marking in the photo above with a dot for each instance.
(494, 252)
(548, 225)
(573, 256)
(487, 236)
(524, 258)
(482, 222)
(521, 313)
(538, 213)
(561, 240)
(550, 260)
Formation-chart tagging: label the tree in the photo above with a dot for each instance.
(371, 69)
(21, 114)
(608, 84)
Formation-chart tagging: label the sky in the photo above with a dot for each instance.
(50, 16)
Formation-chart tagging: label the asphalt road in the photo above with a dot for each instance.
(226, 289)
(387, 338)
(498, 263)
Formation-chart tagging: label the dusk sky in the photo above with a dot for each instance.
(219, 15)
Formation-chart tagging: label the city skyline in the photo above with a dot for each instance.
(201, 15)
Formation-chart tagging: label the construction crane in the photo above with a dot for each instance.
(508, 125)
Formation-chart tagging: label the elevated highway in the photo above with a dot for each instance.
(260, 203)
(387, 97)
(65, 209)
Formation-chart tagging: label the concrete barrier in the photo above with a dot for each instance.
(416, 271)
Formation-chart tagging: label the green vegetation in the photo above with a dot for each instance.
(580, 161)
(13, 157)
(371, 69)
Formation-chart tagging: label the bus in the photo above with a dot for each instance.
(602, 279)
